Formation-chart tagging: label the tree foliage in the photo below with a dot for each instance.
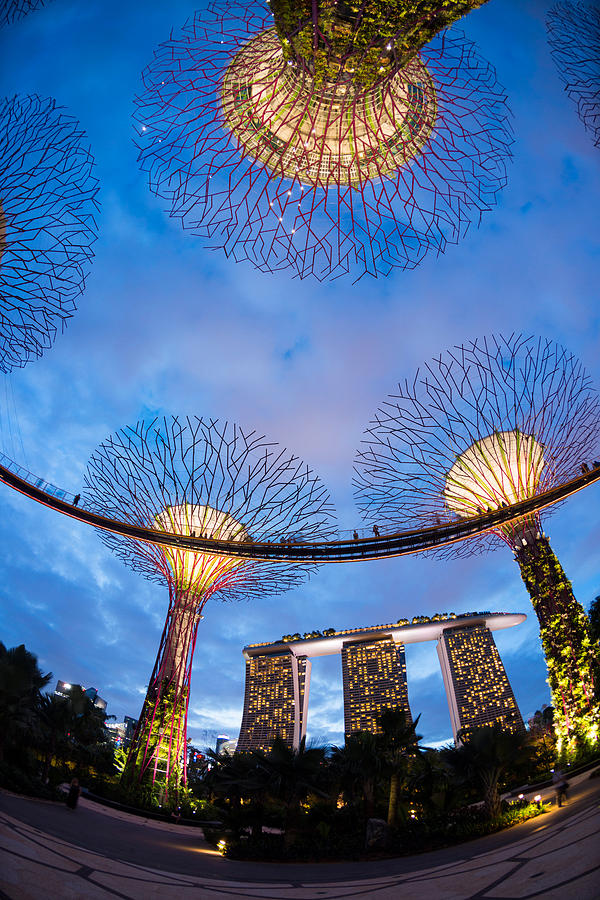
(41, 731)
(360, 42)
(484, 755)
(594, 618)
(572, 656)
(20, 683)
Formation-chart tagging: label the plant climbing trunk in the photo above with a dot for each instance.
(158, 749)
(572, 657)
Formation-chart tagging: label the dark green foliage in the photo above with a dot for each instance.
(72, 729)
(398, 745)
(594, 618)
(16, 778)
(20, 683)
(360, 42)
(438, 790)
(338, 839)
(572, 656)
(542, 740)
(268, 788)
(43, 737)
(164, 713)
(320, 804)
(356, 768)
(483, 757)
(144, 797)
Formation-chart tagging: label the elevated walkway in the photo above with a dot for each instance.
(343, 548)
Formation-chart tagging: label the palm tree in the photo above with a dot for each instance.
(437, 787)
(55, 722)
(357, 766)
(240, 777)
(484, 755)
(292, 774)
(89, 720)
(21, 681)
(399, 743)
(72, 727)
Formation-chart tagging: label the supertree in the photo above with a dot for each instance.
(47, 224)
(11, 10)
(203, 478)
(481, 427)
(325, 136)
(574, 38)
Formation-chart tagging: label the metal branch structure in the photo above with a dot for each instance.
(212, 479)
(480, 428)
(574, 38)
(47, 224)
(11, 10)
(356, 544)
(324, 138)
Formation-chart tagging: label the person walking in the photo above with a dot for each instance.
(73, 795)
(560, 785)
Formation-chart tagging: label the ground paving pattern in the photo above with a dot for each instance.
(554, 856)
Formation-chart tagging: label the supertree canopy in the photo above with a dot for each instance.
(482, 427)
(326, 137)
(47, 225)
(574, 38)
(11, 10)
(209, 479)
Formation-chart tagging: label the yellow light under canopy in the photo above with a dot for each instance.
(502, 468)
(198, 570)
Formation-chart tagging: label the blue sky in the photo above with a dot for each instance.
(167, 326)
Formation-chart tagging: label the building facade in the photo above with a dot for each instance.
(374, 679)
(122, 733)
(65, 689)
(275, 699)
(374, 675)
(477, 686)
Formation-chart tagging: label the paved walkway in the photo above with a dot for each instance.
(49, 852)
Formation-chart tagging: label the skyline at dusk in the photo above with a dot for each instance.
(166, 327)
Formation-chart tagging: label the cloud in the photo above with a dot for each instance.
(167, 325)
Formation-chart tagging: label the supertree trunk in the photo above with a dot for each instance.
(324, 136)
(157, 753)
(194, 477)
(359, 44)
(572, 657)
(495, 422)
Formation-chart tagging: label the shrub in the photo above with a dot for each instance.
(14, 779)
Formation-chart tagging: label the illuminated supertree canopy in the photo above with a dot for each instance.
(481, 427)
(11, 10)
(47, 224)
(204, 478)
(327, 137)
(574, 38)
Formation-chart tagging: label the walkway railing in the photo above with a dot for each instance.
(344, 548)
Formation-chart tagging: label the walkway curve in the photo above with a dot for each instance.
(50, 853)
(400, 543)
